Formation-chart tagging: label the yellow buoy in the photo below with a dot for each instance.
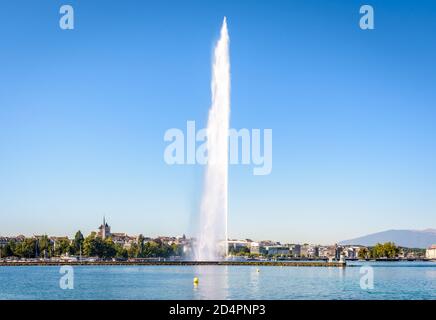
(195, 281)
(257, 270)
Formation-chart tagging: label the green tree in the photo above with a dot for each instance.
(177, 250)
(62, 247)
(121, 253)
(78, 242)
(390, 250)
(378, 251)
(133, 251)
(363, 253)
(152, 249)
(108, 249)
(141, 246)
(10, 249)
(90, 245)
(45, 247)
(27, 248)
(7, 250)
(386, 250)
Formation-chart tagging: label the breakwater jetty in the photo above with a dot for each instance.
(176, 263)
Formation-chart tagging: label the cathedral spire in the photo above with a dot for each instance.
(105, 229)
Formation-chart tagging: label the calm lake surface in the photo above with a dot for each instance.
(392, 280)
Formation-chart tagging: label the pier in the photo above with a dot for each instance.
(176, 263)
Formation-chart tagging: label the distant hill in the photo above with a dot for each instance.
(403, 238)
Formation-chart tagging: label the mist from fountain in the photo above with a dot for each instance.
(212, 238)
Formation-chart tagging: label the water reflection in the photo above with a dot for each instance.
(213, 282)
(342, 272)
(254, 281)
(431, 274)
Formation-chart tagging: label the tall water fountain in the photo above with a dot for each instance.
(212, 237)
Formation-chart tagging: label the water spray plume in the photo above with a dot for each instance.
(212, 238)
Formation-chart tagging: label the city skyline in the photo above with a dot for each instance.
(109, 231)
(83, 113)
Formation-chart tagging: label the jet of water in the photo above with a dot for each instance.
(212, 238)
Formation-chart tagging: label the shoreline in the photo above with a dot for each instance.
(176, 263)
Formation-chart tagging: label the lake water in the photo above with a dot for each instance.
(392, 280)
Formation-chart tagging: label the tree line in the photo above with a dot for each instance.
(91, 246)
(386, 250)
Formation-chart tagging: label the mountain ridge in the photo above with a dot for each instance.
(401, 237)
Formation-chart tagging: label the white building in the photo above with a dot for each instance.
(313, 251)
(123, 239)
(430, 253)
(351, 252)
(254, 248)
(277, 250)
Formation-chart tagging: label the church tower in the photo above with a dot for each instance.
(104, 229)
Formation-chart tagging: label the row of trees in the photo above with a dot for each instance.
(40, 247)
(91, 246)
(385, 250)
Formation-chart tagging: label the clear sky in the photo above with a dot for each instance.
(83, 113)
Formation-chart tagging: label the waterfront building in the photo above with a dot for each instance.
(350, 252)
(338, 252)
(254, 248)
(104, 231)
(304, 250)
(277, 250)
(357, 250)
(313, 252)
(430, 253)
(324, 252)
(167, 240)
(354, 253)
(238, 244)
(5, 240)
(123, 239)
(328, 252)
(186, 244)
(295, 250)
(258, 248)
(267, 243)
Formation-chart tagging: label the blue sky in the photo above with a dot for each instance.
(83, 113)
